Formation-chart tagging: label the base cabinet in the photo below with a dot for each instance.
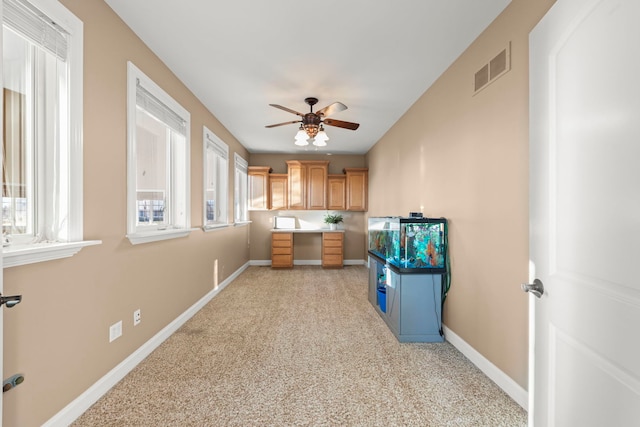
(281, 250)
(410, 304)
(332, 244)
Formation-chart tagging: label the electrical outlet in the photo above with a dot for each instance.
(137, 317)
(115, 331)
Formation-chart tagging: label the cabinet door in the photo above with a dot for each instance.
(337, 193)
(297, 185)
(421, 309)
(258, 187)
(357, 188)
(394, 292)
(373, 281)
(317, 185)
(278, 191)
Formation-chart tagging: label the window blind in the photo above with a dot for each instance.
(241, 164)
(217, 148)
(159, 110)
(31, 23)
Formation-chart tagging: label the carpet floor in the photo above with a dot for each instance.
(300, 347)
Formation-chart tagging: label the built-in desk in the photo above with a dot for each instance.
(282, 242)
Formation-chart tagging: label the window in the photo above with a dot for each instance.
(216, 176)
(241, 196)
(158, 162)
(42, 66)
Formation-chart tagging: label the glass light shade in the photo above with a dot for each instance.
(322, 135)
(301, 134)
(319, 142)
(302, 142)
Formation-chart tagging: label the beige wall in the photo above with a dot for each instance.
(58, 336)
(465, 157)
(307, 247)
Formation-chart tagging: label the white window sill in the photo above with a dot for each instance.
(214, 227)
(30, 253)
(241, 223)
(158, 235)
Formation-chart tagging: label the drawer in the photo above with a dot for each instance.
(332, 251)
(282, 237)
(280, 244)
(332, 260)
(281, 261)
(281, 251)
(332, 236)
(332, 243)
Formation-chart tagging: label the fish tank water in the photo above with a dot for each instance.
(413, 245)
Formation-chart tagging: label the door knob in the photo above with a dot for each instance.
(10, 301)
(535, 288)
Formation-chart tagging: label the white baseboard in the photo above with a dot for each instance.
(265, 262)
(509, 386)
(83, 402)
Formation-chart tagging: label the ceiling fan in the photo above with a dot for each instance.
(311, 124)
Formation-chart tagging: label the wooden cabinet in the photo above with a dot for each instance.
(297, 173)
(357, 188)
(336, 192)
(278, 191)
(332, 246)
(307, 184)
(281, 250)
(317, 185)
(258, 187)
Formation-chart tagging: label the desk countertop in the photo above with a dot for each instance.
(305, 230)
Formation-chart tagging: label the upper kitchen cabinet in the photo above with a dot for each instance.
(278, 189)
(337, 192)
(307, 184)
(259, 198)
(357, 188)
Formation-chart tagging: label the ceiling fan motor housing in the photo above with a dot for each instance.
(311, 123)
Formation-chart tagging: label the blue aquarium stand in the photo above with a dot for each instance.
(412, 306)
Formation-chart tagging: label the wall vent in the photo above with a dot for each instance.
(496, 67)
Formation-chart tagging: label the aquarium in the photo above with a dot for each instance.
(410, 244)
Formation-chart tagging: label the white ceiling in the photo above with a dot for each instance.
(239, 56)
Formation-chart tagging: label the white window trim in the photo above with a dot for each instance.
(240, 164)
(29, 253)
(136, 237)
(38, 252)
(209, 137)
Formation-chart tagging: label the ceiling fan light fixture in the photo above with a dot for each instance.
(311, 130)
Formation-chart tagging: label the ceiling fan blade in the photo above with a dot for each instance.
(336, 107)
(289, 110)
(282, 124)
(341, 124)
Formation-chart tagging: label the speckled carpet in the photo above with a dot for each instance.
(300, 347)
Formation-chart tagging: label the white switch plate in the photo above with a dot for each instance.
(115, 331)
(137, 317)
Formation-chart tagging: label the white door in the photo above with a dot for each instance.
(585, 214)
(1, 255)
